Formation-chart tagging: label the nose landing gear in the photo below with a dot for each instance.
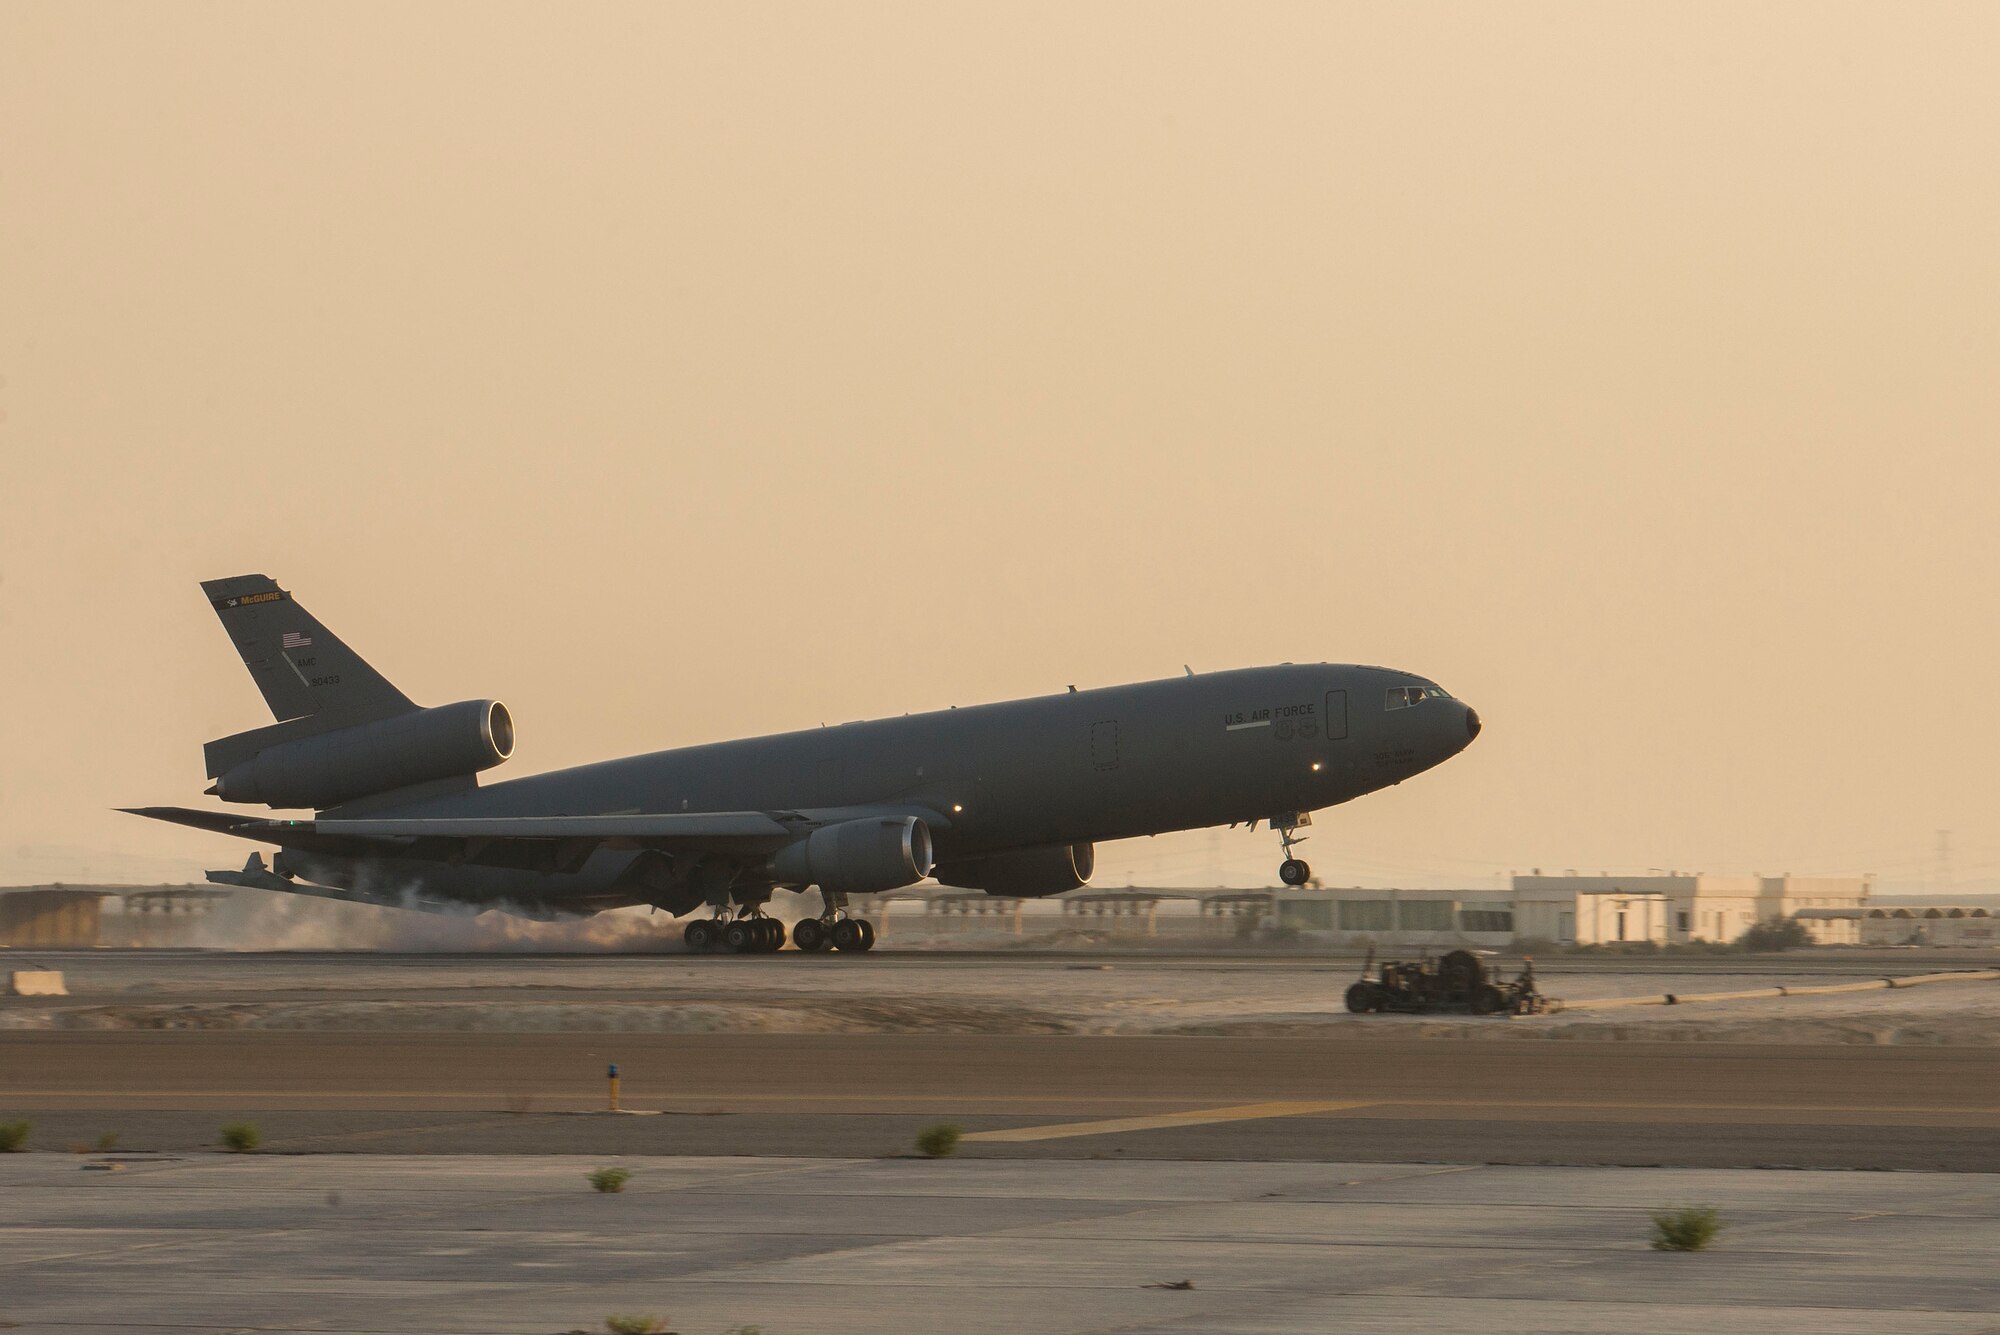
(1293, 871)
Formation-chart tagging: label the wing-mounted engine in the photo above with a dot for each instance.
(857, 856)
(1027, 873)
(280, 768)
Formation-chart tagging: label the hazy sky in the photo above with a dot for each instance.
(678, 372)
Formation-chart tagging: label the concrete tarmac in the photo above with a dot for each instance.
(1024, 1095)
(342, 1245)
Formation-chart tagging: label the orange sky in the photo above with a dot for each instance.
(682, 372)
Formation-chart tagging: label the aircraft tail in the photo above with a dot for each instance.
(311, 680)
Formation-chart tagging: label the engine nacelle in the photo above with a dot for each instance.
(334, 767)
(1028, 873)
(858, 856)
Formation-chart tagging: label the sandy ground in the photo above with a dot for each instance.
(386, 1245)
(923, 993)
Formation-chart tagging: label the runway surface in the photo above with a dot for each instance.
(926, 993)
(1317, 1097)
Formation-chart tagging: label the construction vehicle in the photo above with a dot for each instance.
(1457, 981)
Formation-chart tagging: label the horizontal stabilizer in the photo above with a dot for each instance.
(221, 822)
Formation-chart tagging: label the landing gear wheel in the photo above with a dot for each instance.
(699, 934)
(774, 935)
(740, 936)
(809, 934)
(867, 934)
(846, 935)
(1294, 871)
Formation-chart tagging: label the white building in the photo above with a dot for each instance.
(1699, 907)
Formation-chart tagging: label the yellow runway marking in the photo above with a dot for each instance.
(1196, 1117)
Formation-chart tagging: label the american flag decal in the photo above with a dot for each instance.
(294, 640)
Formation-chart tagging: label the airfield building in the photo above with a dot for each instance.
(1583, 910)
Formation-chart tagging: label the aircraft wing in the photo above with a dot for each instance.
(546, 843)
(747, 831)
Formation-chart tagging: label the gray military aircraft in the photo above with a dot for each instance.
(1006, 798)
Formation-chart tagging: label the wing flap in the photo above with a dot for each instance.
(516, 841)
(706, 827)
(255, 876)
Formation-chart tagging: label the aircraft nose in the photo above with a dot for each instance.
(1471, 723)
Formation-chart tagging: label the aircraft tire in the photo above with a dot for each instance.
(867, 934)
(809, 935)
(699, 935)
(846, 935)
(739, 937)
(1294, 871)
(774, 935)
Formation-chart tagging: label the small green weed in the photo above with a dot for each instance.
(241, 1137)
(1687, 1229)
(632, 1323)
(14, 1136)
(938, 1140)
(611, 1179)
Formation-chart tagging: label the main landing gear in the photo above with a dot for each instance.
(833, 933)
(833, 929)
(753, 935)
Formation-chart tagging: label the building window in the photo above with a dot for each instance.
(1307, 913)
(1365, 915)
(1681, 921)
(1424, 915)
(1485, 920)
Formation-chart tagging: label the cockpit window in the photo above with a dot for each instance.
(1402, 697)
(1436, 693)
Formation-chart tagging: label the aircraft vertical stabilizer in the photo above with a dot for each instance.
(308, 676)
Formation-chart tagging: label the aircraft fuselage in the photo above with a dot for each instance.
(1084, 766)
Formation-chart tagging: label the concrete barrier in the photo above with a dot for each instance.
(1609, 1003)
(36, 983)
(1748, 994)
(1768, 993)
(1963, 976)
(1827, 989)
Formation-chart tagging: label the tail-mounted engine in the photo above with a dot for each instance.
(278, 768)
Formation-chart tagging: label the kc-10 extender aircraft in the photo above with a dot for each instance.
(1006, 798)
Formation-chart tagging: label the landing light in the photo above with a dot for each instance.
(1315, 767)
(956, 808)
